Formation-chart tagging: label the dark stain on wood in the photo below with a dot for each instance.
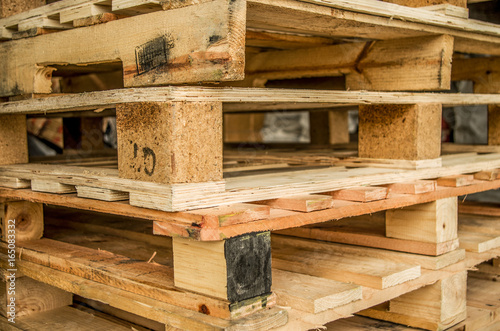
(153, 54)
(248, 261)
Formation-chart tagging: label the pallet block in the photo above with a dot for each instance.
(160, 142)
(385, 129)
(434, 307)
(21, 220)
(434, 222)
(235, 269)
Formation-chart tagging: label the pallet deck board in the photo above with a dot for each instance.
(110, 98)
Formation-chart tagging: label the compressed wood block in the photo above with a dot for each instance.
(171, 142)
(235, 269)
(30, 296)
(361, 194)
(410, 132)
(13, 139)
(434, 222)
(23, 219)
(487, 174)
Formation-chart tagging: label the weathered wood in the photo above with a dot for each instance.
(235, 269)
(41, 185)
(312, 294)
(369, 231)
(163, 51)
(12, 7)
(278, 99)
(410, 132)
(20, 221)
(160, 142)
(434, 222)
(422, 3)
(22, 296)
(13, 139)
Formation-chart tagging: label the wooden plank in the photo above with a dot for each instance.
(344, 267)
(369, 231)
(14, 182)
(456, 180)
(427, 262)
(376, 67)
(233, 214)
(434, 307)
(100, 193)
(236, 269)
(21, 221)
(361, 194)
(312, 294)
(425, 3)
(449, 10)
(159, 142)
(82, 11)
(416, 187)
(223, 23)
(41, 185)
(390, 163)
(487, 174)
(478, 242)
(42, 22)
(434, 222)
(64, 318)
(151, 280)
(385, 129)
(110, 98)
(304, 203)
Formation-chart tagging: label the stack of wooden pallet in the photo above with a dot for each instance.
(182, 235)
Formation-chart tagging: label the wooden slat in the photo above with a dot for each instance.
(108, 99)
(455, 181)
(304, 203)
(361, 194)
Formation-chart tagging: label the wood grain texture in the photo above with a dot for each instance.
(13, 139)
(410, 132)
(434, 222)
(160, 142)
(21, 221)
(30, 296)
(167, 51)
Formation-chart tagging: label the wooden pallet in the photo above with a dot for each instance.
(105, 261)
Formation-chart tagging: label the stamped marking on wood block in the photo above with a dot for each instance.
(144, 159)
(153, 54)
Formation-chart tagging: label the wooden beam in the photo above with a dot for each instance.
(434, 222)
(235, 269)
(22, 296)
(20, 221)
(13, 139)
(164, 51)
(178, 142)
(284, 98)
(410, 132)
